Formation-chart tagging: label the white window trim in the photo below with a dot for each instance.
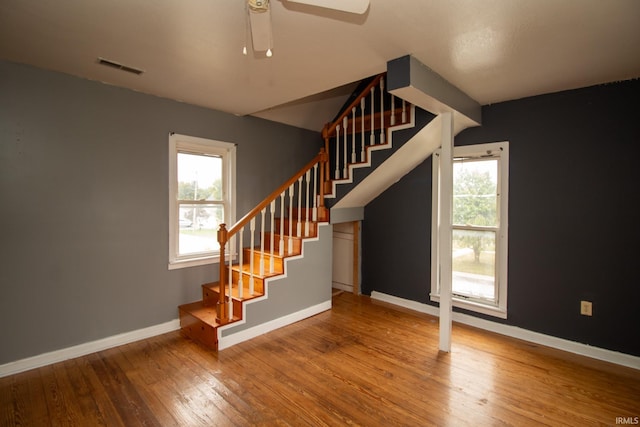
(206, 146)
(500, 309)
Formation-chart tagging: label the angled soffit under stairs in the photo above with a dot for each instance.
(412, 81)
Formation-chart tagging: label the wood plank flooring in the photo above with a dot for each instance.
(362, 363)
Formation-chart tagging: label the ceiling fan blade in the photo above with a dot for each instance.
(351, 6)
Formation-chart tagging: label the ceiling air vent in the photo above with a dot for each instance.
(114, 64)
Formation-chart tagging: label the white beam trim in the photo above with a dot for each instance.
(416, 83)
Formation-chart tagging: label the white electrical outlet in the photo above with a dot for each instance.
(586, 308)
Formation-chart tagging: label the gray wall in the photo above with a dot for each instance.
(308, 283)
(83, 204)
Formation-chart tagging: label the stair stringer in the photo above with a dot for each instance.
(403, 161)
(370, 149)
(304, 290)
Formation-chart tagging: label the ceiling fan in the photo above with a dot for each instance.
(259, 18)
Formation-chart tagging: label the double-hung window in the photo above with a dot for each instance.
(201, 197)
(479, 228)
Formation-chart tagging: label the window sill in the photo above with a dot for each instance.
(489, 310)
(193, 262)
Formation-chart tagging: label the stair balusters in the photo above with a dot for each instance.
(318, 170)
(313, 207)
(371, 120)
(233, 239)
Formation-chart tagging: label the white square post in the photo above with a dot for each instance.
(444, 230)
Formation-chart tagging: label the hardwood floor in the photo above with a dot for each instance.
(362, 363)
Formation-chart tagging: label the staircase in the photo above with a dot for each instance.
(285, 241)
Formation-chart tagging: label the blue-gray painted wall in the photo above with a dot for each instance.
(573, 216)
(84, 204)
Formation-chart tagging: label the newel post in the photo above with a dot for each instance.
(222, 313)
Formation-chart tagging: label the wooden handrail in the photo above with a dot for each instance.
(224, 234)
(256, 210)
(331, 127)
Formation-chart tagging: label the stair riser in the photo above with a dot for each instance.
(258, 284)
(210, 296)
(198, 330)
(313, 227)
(277, 262)
(296, 242)
(321, 213)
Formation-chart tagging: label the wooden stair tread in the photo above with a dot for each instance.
(246, 296)
(256, 274)
(276, 254)
(204, 313)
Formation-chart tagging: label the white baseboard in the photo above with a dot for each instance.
(520, 333)
(342, 286)
(86, 348)
(247, 334)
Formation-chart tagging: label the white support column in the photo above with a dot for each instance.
(362, 152)
(444, 230)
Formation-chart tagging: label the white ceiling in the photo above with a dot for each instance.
(191, 50)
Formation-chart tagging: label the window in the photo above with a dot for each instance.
(201, 197)
(479, 232)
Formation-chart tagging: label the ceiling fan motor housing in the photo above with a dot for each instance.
(258, 5)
